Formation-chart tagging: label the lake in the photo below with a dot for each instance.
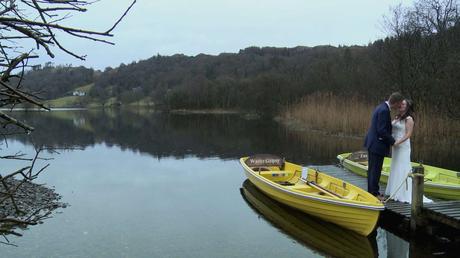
(147, 184)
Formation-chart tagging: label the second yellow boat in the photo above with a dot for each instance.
(439, 182)
(318, 194)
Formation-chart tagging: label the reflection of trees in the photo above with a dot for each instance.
(328, 239)
(161, 135)
(224, 136)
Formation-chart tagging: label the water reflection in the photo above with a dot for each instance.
(164, 135)
(397, 248)
(326, 238)
(205, 210)
(223, 136)
(333, 241)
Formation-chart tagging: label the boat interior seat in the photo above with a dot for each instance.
(338, 189)
(352, 195)
(274, 173)
(260, 169)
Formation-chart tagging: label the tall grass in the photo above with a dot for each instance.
(351, 116)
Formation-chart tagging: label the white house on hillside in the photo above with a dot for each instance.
(78, 93)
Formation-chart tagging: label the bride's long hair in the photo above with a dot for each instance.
(410, 110)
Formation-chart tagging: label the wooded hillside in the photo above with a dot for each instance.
(420, 57)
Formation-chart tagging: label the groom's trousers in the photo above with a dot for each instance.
(373, 172)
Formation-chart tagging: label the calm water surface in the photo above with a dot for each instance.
(143, 184)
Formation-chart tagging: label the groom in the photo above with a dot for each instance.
(379, 140)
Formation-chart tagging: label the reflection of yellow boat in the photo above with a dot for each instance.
(320, 195)
(441, 183)
(321, 236)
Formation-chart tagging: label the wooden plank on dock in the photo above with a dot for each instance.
(447, 212)
(399, 208)
(443, 204)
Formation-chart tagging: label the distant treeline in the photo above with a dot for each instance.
(261, 79)
(419, 57)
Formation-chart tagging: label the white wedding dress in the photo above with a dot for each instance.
(400, 167)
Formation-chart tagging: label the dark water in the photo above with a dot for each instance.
(143, 184)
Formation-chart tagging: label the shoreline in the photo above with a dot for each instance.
(205, 111)
(37, 202)
(41, 109)
(298, 126)
(246, 114)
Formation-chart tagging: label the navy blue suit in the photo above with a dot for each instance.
(378, 142)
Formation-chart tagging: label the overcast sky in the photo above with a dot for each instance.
(190, 27)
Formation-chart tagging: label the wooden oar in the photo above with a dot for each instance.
(322, 189)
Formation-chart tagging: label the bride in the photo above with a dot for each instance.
(402, 128)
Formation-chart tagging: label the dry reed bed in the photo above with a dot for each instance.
(351, 116)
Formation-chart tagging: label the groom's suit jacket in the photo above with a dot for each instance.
(378, 139)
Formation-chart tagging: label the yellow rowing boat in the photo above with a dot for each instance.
(317, 194)
(326, 238)
(439, 182)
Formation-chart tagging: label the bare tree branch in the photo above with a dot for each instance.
(121, 18)
(35, 21)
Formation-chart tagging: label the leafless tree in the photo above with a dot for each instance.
(32, 23)
(436, 16)
(422, 52)
(38, 22)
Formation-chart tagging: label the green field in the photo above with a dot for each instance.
(85, 88)
(87, 102)
(71, 101)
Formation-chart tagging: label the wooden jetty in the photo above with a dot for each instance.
(447, 212)
(432, 218)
